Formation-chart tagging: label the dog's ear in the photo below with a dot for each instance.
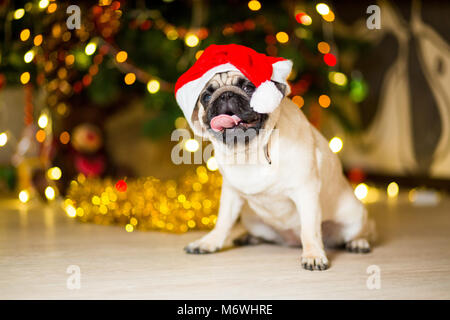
(196, 124)
(284, 89)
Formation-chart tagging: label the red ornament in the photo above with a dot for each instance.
(356, 175)
(330, 59)
(299, 16)
(121, 186)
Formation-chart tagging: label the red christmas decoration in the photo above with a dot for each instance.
(121, 186)
(356, 175)
(330, 59)
(299, 16)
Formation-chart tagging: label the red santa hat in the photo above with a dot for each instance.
(259, 68)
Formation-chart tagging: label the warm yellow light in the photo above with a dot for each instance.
(298, 100)
(338, 78)
(322, 8)
(329, 17)
(24, 196)
(306, 20)
(40, 136)
(392, 190)
(43, 121)
(191, 40)
(254, 5)
(361, 191)
(130, 78)
(29, 56)
(180, 123)
(336, 144)
(50, 193)
(372, 195)
(43, 4)
(54, 173)
(19, 13)
(153, 86)
(38, 40)
(121, 56)
(172, 34)
(52, 8)
(71, 211)
(70, 59)
(90, 48)
(324, 101)
(25, 77)
(282, 37)
(129, 228)
(3, 138)
(191, 145)
(323, 47)
(25, 34)
(211, 164)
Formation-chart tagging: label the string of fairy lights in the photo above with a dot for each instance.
(148, 203)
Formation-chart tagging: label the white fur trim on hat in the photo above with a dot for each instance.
(280, 73)
(266, 97)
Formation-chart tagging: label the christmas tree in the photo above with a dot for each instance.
(95, 59)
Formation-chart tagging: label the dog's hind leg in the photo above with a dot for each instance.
(355, 227)
(258, 231)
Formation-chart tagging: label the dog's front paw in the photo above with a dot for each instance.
(314, 261)
(207, 244)
(358, 246)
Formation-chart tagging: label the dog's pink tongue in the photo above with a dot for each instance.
(224, 121)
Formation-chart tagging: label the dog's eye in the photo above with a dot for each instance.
(206, 97)
(249, 88)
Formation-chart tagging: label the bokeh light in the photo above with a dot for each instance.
(282, 37)
(38, 40)
(392, 190)
(361, 191)
(211, 164)
(254, 5)
(322, 8)
(19, 13)
(130, 78)
(43, 121)
(191, 40)
(330, 59)
(64, 137)
(90, 48)
(121, 56)
(191, 145)
(336, 144)
(299, 101)
(323, 47)
(50, 193)
(153, 86)
(25, 77)
(24, 196)
(25, 34)
(54, 173)
(3, 139)
(324, 101)
(43, 4)
(29, 56)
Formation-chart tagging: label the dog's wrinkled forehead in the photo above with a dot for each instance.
(230, 78)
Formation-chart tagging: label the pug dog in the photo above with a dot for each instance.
(293, 192)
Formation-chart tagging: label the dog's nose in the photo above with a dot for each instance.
(226, 95)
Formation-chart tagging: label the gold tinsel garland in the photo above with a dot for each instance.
(148, 203)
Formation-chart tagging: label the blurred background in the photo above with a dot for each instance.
(87, 106)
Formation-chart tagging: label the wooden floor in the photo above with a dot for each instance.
(39, 243)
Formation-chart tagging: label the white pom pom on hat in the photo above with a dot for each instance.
(259, 68)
